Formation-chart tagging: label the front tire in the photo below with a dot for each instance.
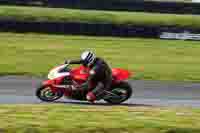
(46, 94)
(123, 90)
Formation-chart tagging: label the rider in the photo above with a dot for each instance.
(100, 75)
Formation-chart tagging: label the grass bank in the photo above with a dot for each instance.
(69, 15)
(35, 54)
(93, 119)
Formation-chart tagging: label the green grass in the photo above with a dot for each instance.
(93, 119)
(36, 54)
(89, 16)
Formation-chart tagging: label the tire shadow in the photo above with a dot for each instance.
(101, 104)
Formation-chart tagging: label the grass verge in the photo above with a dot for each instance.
(35, 54)
(69, 15)
(93, 119)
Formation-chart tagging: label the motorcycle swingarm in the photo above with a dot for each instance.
(110, 94)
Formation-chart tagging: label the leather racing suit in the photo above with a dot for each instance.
(100, 78)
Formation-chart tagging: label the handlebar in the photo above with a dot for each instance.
(67, 62)
(65, 68)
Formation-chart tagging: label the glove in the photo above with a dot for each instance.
(67, 61)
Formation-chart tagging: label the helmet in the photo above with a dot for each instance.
(88, 58)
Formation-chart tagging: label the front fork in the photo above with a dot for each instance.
(56, 85)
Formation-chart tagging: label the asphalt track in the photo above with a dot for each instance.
(21, 90)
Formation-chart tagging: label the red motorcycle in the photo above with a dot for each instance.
(65, 81)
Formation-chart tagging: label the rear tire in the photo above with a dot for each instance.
(123, 86)
(45, 94)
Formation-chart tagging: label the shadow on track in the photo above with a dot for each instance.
(101, 104)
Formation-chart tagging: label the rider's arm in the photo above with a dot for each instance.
(88, 83)
(73, 62)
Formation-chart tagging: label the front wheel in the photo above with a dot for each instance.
(120, 93)
(46, 94)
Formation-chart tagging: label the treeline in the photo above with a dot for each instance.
(119, 5)
(77, 28)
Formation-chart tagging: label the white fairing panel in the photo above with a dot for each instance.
(54, 73)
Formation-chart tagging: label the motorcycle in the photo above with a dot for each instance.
(65, 81)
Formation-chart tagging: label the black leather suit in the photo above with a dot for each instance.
(100, 77)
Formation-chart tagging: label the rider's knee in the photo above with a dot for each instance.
(91, 96)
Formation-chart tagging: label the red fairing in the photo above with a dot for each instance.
(56, 81)
(80, 74)
(50, 83)
(120, 74)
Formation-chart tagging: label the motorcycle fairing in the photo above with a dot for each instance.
(120, 74)
(81, 73)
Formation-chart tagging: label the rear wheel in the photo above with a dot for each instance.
(46, 94)
(120, 93)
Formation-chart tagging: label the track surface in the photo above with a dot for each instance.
(21, 90)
